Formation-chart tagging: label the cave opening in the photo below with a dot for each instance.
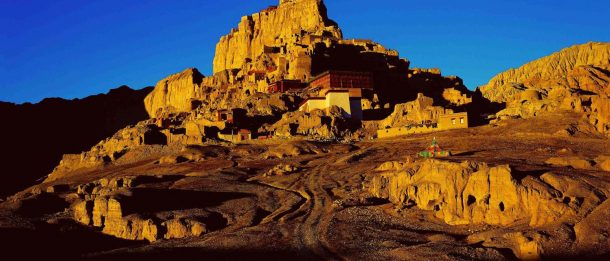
(471, 200)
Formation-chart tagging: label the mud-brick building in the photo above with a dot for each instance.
(453, 121)
(342, 80)
(350, 101)
(343, 89)
(235, 135)
(285, 85)
(447, 121)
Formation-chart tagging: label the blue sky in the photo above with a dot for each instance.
(72, 49)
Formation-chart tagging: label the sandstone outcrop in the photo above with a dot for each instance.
(175, 93)
(294, 40)
(475, 193)
(275, 39)
(103, 203)
(181, 228)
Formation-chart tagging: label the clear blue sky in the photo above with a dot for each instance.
(71, 49)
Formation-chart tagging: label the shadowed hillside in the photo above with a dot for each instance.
(37, 135)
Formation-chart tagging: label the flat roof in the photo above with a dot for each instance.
(335, 90)
(287, 80)
(455, 114)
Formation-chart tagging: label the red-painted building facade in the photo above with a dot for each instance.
(285, 85)
(343, 79)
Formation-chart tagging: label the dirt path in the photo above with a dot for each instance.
(312, 232)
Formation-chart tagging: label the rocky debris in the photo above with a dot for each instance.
(37, 190)
(291, 149)
(525, 245)
(525, 248)
(269, 104)
(172, 159)
(572, 161)
(181, 228)
(603, 162)
(475, 193)
(576, 79)
(281, 170)
(105, 186)
(447, 91)
(111, 149)
(456, 97)
(592, 232)
(320, 124)
(58, 188)
(187, 155)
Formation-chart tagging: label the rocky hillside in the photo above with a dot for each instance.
(294, 40)
(584, 67)
(576, 79)
(36, 135)
(297, 41)
(226, 167)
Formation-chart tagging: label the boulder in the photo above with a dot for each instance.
(181, 228)
(281, 170)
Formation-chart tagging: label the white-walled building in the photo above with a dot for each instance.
(342, 98)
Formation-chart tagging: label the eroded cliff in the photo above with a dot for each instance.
(576, 79)
(475, 193)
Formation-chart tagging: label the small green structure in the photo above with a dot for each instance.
(434, 151)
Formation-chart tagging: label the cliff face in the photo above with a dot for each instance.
(283, 29)
(576, 79)
(175, 92)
